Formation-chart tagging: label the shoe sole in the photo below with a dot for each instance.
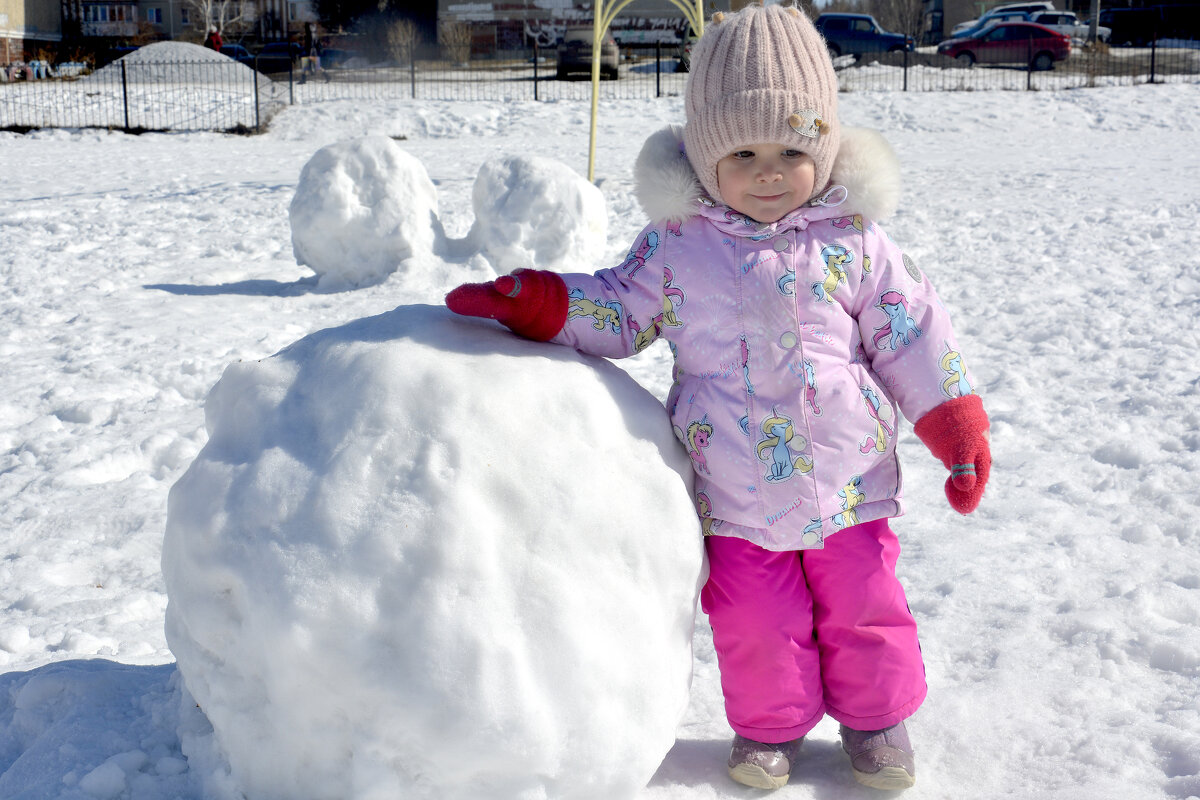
(888, 778)
(756, 777)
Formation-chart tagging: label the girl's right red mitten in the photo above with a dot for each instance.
(531, 303)
(957, 433)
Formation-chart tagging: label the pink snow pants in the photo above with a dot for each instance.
(803, 633)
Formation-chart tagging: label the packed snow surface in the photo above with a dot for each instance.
(386, 584)
(1060, 623)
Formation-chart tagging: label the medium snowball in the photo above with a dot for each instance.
(537, 212)
(362, 208)
(422, 558)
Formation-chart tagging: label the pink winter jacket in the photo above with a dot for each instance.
(793, 344)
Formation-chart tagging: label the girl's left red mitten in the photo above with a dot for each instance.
(531, 303)
(957, 433)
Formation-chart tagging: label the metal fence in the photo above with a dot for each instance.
(231, 96)
(144, 96)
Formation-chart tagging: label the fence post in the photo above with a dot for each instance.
(1029, 66)
(291, 84)
(257, 111)
(1153, 56)
(125, 96)
(412, 73)
(536, 58)
(658, 69)
(906, 69)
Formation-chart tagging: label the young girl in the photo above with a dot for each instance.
(796, 326)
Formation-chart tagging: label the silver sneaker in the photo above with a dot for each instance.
(762, 765)
(881, 759)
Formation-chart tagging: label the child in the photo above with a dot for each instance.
(796, 327)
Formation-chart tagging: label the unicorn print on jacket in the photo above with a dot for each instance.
(851, 497)
(673, 298)
(637, 257)
(881, 414)
(900, 326)
(779, 432)
(835, 257)
(698, 433)
(956, 385)
(606, 315)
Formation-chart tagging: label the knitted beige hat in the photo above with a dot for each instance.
(760, 75)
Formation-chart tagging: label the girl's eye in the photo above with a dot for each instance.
(744, 154)
(792, 153)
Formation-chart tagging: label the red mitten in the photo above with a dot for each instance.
(531, 302)
(957, 433)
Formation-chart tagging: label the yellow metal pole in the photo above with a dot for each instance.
(600, 23)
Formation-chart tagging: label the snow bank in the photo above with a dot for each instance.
(365, 209)
(420, 557)
(177, 62)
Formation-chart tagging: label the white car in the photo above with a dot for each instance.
(991, 18)
(1009, 12)
(1066, 22)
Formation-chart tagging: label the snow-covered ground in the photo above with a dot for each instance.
(1060, 622)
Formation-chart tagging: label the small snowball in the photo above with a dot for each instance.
(537, 212)
(105, 781)
(362, 207)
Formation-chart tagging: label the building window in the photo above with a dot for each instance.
(154, 16)
(183, 16)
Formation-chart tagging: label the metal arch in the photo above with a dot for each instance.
(605, 14)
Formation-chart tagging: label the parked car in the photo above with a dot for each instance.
(278, 57)
(974, 26)
(857, 34)
(575, 54)
(1066, 22)
(238, 53)
(1134, 27)
(1010, 43)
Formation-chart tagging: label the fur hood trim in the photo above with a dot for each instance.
(668, 190)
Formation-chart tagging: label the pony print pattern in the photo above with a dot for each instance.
(881, 413)
(776, 448)
(851, 497)
(900, 327)
(956, 385)
(638, 256)
(697, 437)
(836, 257)
(608, 315)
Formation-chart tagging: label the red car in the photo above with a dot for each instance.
(1010, 43)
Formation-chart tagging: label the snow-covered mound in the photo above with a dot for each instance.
(537, 212)
(420, 557)
(173, 62)
(362, 209)
(365, 209)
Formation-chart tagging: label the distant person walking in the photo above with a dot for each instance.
(213, 40)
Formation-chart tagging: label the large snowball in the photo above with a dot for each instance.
(422, 558)
(361, 209)
(537, 212)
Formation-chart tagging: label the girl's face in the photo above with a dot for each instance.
(766, 181)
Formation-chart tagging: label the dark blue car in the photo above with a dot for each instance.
(859, 34)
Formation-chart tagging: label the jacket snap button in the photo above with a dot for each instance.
(780, 245)
(811, 538)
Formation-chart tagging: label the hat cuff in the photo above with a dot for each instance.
(757, 116)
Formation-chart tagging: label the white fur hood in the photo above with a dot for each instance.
(668, 190)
